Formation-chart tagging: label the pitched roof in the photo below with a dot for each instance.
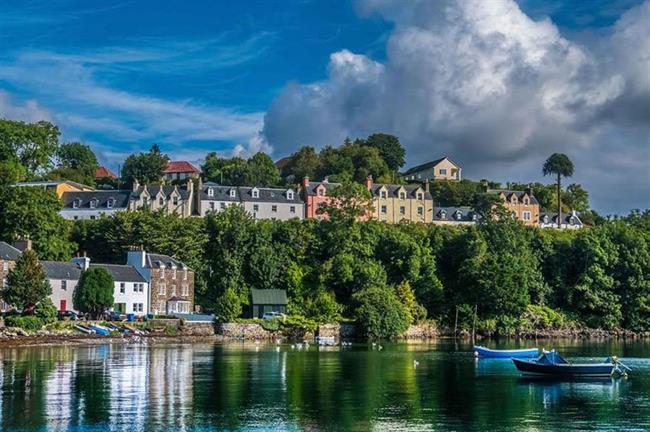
(566, 218)
(393, 190)
(121, 273)
(54, 183)
(102, 172)
(163, 261)
(154, 189)
(269, 296)
(219, 192)
(8, 252)
(269, 195)
(61, 270)
(428, 165)
(457, 214)
(121, 199)
(508, 194)
(311, 187)
(181, 167)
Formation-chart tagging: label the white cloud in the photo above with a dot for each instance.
(489, 86)
(29, 111)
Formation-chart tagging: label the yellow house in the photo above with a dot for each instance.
(522, 204)
(439, 169)
(57, 186)
(395, 203)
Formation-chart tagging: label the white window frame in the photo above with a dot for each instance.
(526, 215)
(274, 208)
(290, 195)
(210, 192)
(255, 193)
(292, 209)
(110, 202)
(162, 289)
(122, 287)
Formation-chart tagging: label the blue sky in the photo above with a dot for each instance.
(236, 77)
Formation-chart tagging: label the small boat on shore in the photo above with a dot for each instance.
(83, 329)
(481, 351)
(102, 331)
(552, 364)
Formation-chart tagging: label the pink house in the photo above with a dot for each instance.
(315, 194)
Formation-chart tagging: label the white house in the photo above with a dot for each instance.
(570, 220)
(63, 278)
(92, 204)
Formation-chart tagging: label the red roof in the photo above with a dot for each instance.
(104, 172)
(181, 167)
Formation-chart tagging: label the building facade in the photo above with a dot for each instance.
(439, 169)
(59, 187)
(170, 198)
(130, 288)
(92, 205)
(181, 170)
(8, 257)
(396, 203)
(314, 195)
(272, 203)
(63, 278)
(522, 204)
(213, 198)
(570, 220)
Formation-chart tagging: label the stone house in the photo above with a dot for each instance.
(439, 169)
(272, 203)
(171, 198)
(171, 282)
(315, 194)
(522, 204)
(395, 203)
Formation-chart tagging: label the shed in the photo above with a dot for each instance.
(268, 300)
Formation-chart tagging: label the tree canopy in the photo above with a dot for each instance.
(33, 145)
(27, 283)
(75, 162)
(145, 167)
(94, 292)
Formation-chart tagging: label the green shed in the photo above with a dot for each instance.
(268, 300)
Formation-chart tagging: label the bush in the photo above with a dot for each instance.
(228, 306)
(30, 323)
(46, 311)
(323, 308)
(297, 322)
(543, 318)
(380, 313)
(270, 325)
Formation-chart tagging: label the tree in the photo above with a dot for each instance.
(390, 149)
(31, 144)
(27, 284)
(228, 306)
(76, 162)
(261, 171)
(145, 167)
(303, 163)
(94, 292)
(348, 202)
(558, 164)
(380, 313)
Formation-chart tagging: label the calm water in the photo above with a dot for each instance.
(196, 387)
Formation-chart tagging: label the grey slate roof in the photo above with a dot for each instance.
(167, 190)
(121, 199)
(162, 261)
(457, 214)
(269, 296)
(220, 192)
(566, 218)
(428, 165)
(393, 190)
(508, 193)
(269, 195)
(8, 252)
(121, 273)
(311, 187)
(61, 270)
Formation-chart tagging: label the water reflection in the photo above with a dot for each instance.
(245, 386)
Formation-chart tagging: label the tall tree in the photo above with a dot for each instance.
(389, 147)
(145, 167)
(32, 144)
(94, 292)
(261, 171)
(26, 283)
(560, 165)
(303, 163)
(76, 162)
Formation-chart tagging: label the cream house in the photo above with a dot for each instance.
(439, 169)
(396, 203)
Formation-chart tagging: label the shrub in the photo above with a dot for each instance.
(228, 306)
(30, 323)
(542, 318)
(46, 311)
(297, 322)
(380, 313)
(323, 308)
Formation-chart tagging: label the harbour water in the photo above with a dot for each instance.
(251, 387)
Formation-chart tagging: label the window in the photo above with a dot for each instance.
(122, 287)
(443, 171)
(75, 217)
(526, 201)
(212, 206)
(161, 288)
(459, 215)
(402, 210)
(64, 285)
(420, 196)
(321, 192)
(76, 203)
(292, 209)
(137, 307)
(138, 287)
(173, 290)
(93, 203)
(232, 193)
(5, 266)
(443, 214)
(185, 290)
(383, 209)
(184, 274)
(4, 283)
(210, 192)
(274, 208)
(402, 195)
(162, 273)
(256, 207)
(514, 199)
(256, 193)
(526, 215)
(175, 201)
(222, 205)
(93, 217)
(161, 306)
(161, 201)
(290, 195)
(420, 211)
(383, 194)
(110, 202)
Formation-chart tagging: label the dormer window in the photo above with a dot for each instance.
(161, 201)
(175, 200)
(210, 192)
(110, 202)
(402, 195)
(443, 215)
(514, 199)
(474, 216)
(572, 220)
(321, 192)
(420, 196)
(290, 195)
(76, 203)
(458, 215)
(526, 201)
(382, 194)
(255, 193)
(545, 218)
(232, 193)
(93, 203)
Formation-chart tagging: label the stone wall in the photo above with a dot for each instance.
(420, 331)
(245, 331)
(192, 328)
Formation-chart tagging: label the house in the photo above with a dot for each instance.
(171, 198)
(63, 278)
(439, 169)
(396, 203)
(570, 220)
(103, 172)
(522, 204)
(180, 170)
(171, 282)
(59, 187)
(8, 257)
(80, 205)
(268, 300)
(314, 195)
(212, 197)
(272, 203)
(131, 289)
(454, 216)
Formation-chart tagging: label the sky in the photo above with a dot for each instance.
(496, 85)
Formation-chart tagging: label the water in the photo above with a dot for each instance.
(243, 386)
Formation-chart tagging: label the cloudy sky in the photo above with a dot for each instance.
(497, 85)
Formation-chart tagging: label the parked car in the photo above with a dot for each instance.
(70, 315)
(273, 315)
(113, 316)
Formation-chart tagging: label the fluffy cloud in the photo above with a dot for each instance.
(29, 111)
(491, 87)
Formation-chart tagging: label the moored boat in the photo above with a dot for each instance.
(481, 351)
(552, 364)
(103, 331)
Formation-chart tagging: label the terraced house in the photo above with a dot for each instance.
(395, 203)
(93, 204)
(522, 204)
(171, 198)
(272, 203)
(314, 195)
(213, 198)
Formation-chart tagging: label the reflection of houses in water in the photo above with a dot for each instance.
(58, 394)
(128, 382)
(170, 386)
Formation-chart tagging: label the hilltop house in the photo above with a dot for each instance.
(454, 216)
(171, 282)
(171, 198)
(314, 195)
(395, 203)
(439, 169)
(522, 204)
(212, 198)
(91, 205)
(272, 203)
(570, 220)
(180, 170)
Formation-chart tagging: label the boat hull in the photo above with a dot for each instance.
(564, 370)
(489, 353)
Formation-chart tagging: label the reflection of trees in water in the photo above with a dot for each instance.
(91, 387)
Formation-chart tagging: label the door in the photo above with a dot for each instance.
(63, 306)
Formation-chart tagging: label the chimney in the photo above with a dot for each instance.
(529, 190)
(23, 244)
(190, 185)
(305, 182)
(83, 262)
(369, 182)
(136, 257)
(136, 184)
(485, 185)
(426, 185)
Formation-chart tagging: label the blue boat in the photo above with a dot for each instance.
(552, 364)
(102, 331)
(480, 351)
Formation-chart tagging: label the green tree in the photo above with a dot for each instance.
(379, 313)
(348, 202)
(76, 162)
(303, 163)
(389, 148)
(27, 284)
(46, 311)
(33, 145)
(145, 167)
(94, 292)
(261, 171)
(560, 165)
(228, 306)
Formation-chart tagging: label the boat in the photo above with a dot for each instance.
(83, 329)
(102, 331)
(552, 364)
(481, 351)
